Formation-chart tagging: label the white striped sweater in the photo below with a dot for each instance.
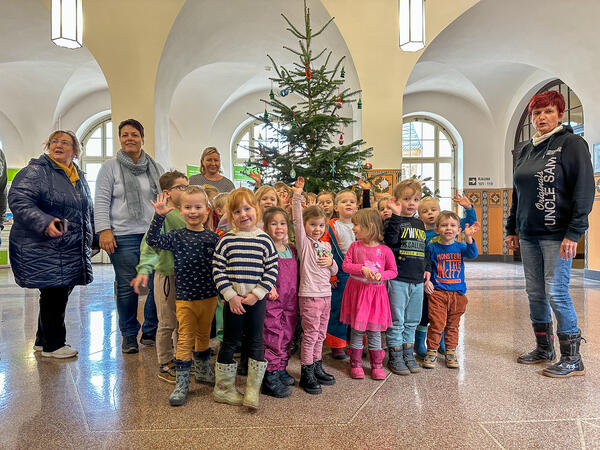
(245, 262)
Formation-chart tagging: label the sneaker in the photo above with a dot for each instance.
(451, 360)
(338, 353)
(167, 372)
(148, 340)
(62, 353)
(38, 348)
(129, 344)
(430, 359)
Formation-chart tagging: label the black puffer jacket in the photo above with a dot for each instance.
(39, 193)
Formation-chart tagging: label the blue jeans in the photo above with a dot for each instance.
(124, 261)
(406, 303)
(547, 284)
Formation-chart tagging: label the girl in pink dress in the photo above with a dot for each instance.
(365, 304)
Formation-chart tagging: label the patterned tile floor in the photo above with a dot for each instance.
(104, 399)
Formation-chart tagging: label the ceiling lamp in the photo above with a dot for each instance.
(411, 15)
(67, 23)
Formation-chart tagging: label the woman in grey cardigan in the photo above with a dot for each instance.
(210, 171)
(123, 212)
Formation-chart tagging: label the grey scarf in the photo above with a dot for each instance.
(133, 194)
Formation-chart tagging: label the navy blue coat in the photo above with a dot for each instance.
(39, 193)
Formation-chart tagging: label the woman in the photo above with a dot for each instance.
(51, 237)
(553, 193)
(123, 213)
(210, 171)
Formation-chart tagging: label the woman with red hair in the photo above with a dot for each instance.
(553, 193)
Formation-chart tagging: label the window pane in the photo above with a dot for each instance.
(109, 130)
(97, 134)
(564, 91)
(92, 185)
(91, 171)
(445, 204)
(242, 153)
(445, 188)
(408, 170)
(428, 149)
(576, 116)
(411, 144)
(431, 186)
(445, 148)
(428, 131)
(445, 171)
(428, 170)
(109, 147)
(574, 100)
(94, 146)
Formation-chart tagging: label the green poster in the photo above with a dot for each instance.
(192, 170)
(239, 174)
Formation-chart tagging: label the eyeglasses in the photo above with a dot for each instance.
(65, 143)
(180, 187)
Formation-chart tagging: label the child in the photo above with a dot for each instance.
(195, 291)
(311, 199)
(316, 268)
(267, 197)
(245, 270)
(326, 200)
(161, 262)
(383, 208)
(340, 235)
(282, 307)
(446, 288)
(429, 210)
(220, 206)
(365, 305)
(405, 235)
(212, 221)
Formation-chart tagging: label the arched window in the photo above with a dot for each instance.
(428, 151)
(253, 134)
(96, 147)
(573, 115)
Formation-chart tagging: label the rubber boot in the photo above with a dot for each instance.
(202, 370)
(442, 347)
(308, 381)
(256, 372)
(324, 378)
(286, 378)
(409, 358)
(570, 363)
(544, 350)
(376, 357)
(182, 382)
(225, 391)
(396, 362)
(420, 335)
(273, 386)
(356, 370)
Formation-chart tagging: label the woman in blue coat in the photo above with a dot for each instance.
(51, 238)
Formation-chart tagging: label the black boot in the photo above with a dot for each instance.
(544, 352)
(396, 362)
(286, 378)
(273, 386)
(323, 377)
(308, 381)
(570, 362)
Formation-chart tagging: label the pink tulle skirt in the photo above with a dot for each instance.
(365, 306)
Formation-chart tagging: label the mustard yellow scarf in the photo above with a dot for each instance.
(71, 171)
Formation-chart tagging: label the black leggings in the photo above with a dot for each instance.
(425, 313)
(51, 332)
(250, 324)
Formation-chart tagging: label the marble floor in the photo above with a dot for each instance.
(104, 399)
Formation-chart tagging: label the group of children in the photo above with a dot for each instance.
(360, 273)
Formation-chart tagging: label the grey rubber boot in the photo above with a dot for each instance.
(182, 382)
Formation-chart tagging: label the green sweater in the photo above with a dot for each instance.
(153, 259)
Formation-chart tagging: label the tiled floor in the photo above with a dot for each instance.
(104, 399)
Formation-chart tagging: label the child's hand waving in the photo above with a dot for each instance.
(471, 230)
(364, 184)
(160, 207)
(395, 205)
(299, 186)
(462, 200)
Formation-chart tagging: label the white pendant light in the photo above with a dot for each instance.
(411, 14)
(67, 23)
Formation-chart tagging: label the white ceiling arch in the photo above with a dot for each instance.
(216, 55)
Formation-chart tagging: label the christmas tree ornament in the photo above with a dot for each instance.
(343, 73)
(359, 104)
(293, 173)
(293, 120)
(266, 115)
(284, 92)
(265, 162)
(341, 138)
(307, 70)
(367, 166)
(272, 94)
(332, 165)
(259, 137)
(314, 132)
(338, 104)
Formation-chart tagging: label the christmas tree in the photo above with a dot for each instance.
(306, 137)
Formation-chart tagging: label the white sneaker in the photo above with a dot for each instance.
(61, 353)
(38, 348)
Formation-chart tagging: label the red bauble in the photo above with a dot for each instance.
(265, 162)
(367, 166)
(341, 139)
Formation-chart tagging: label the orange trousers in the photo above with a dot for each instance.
(195, 319)
(445, 309)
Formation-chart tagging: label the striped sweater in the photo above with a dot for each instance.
(245, 262)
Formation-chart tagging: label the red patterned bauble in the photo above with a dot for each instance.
(367, 166)
(265, 162)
